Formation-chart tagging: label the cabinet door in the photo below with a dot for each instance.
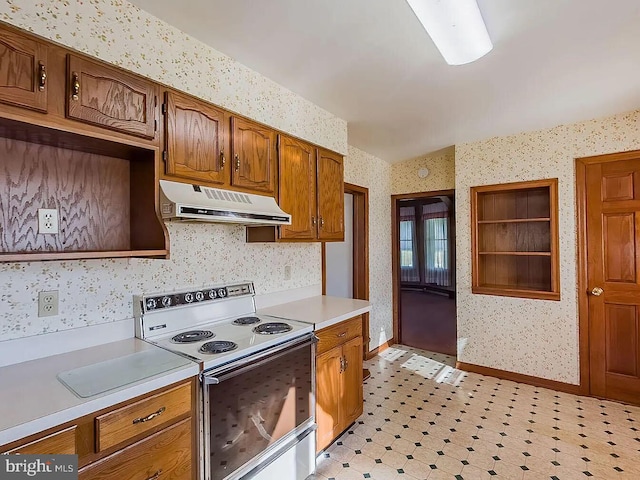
(352, 381)
(297, 188)
(23, 69)
(195, 140)
(254, 157)
(110, 98)
(330, 196)
(328, 393)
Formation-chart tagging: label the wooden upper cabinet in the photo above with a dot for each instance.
(254, 156)
(330, 184)
(297, 188)
(111, 98)
(195, 140)
(23, 71)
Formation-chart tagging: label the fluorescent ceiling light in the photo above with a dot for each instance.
(456, 27)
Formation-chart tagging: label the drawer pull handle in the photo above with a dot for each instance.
(155, 475)
(341, 334)
(151, 416)
(75, 86)
(42, 80)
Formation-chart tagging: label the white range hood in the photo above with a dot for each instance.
(184, 202)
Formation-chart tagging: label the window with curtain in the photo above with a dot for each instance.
(436, 244)
(409, 270)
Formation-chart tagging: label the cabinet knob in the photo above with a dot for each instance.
(42, 76)
(237, 163)
(155, 476)
(222, 159)
(321, 222)
(75, 86)
(313, 221)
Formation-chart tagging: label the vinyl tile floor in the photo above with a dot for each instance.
(423, 419)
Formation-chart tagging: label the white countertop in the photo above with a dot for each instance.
(32, 398)
(322, 310)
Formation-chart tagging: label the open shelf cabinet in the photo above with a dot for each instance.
(515, 239)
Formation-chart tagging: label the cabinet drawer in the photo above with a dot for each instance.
(338, 334)
(62, 442)
(132, 420)
(163, 456)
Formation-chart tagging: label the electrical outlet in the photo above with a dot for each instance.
(47, 220)
(48, 303)
(287, 272)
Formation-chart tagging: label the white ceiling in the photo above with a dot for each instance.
(371, 63)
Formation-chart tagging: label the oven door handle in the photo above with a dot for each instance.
(215, 377)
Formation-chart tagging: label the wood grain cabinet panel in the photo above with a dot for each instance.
(165, 455)
(128, 422)
(352, 394)
(328, 379)
(62, 443)
(297, 188)
(254, 156)
(195, 140)
(339, 398)
(111, 98)
(330, 181)
(23, 71)
(338, 334)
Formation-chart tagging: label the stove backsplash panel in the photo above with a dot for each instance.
(100, 291)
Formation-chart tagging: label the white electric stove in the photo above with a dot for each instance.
(257, 379)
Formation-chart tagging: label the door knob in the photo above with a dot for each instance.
(597, 291)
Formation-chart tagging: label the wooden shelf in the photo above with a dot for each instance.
(516, 220)
(515, 239)
(520, 254)
(37, 256)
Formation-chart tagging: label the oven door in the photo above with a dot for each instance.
(257, 408)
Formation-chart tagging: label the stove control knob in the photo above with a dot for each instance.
(212, 294)
(199, 296)
(151, 303)
(166, 301)
(188, 297)
(222, 292)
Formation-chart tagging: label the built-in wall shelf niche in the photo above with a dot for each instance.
(515, 239)
(104, 191)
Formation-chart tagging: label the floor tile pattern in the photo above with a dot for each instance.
(423, 419)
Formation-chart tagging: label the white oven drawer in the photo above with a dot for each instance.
(297, 463)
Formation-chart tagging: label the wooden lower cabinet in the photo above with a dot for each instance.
(165, 455)
(151, 437)
(338, 380)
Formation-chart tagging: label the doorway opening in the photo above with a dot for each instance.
(424, 271)
(345, 265)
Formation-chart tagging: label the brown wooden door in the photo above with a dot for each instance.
(328, 393)
(195, 140)
(613, 253)
(23, 69)
(352, 381)
(297, 188)
(110, 98)
(330, 184)
(254, 156)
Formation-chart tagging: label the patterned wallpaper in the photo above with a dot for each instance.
(365, 170)
(122, 34)
(533, 337)
(118, 32)
(441, 166)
